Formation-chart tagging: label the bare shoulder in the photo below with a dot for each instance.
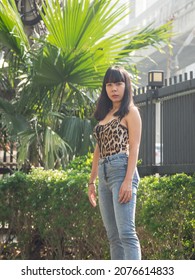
(134, 110)
(133, 114)
(134, 123)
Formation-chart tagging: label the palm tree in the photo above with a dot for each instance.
(57, 78)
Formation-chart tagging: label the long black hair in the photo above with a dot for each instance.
(114, 74)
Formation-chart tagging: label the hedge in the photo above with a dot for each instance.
(46, 215)
(166, 217)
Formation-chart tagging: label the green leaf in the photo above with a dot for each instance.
(12, 33)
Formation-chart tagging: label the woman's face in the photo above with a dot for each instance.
(115, 91)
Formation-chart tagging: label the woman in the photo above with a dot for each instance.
(115, 157)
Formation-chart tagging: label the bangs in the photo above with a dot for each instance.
(114, 76)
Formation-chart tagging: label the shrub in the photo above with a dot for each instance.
(166, 217)
(49, 213)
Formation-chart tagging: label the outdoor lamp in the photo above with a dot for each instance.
(156, 78)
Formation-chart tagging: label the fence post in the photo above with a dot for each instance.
(149, 130)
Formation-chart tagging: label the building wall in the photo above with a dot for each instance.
(158, 12)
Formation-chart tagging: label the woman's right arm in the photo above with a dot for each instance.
(93, 176)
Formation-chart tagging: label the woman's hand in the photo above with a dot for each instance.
(92, 194)
(125, 192)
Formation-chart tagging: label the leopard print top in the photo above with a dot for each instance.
(112, 138)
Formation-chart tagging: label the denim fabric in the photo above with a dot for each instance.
(118, 219)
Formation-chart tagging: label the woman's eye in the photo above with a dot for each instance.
(109, 85)
(119, 83)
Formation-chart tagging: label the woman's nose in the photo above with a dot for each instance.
(113, 87)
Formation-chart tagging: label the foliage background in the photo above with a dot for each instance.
(51, 81)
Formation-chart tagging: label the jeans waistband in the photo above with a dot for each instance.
(112, 157)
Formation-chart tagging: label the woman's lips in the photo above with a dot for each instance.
(114, 95)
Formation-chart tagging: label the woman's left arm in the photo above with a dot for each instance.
(134, 126)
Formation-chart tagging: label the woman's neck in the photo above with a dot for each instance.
(115, 108)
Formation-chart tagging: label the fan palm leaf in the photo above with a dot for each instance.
(77, 49)
(11, 28)
(13, 121)
(77, 132)
(55, 149)
(149, 36)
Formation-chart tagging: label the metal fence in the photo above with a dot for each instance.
(8, 156)
(168, 134)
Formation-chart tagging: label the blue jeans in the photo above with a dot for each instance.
(118, 219)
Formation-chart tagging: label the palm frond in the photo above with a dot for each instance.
(79, 25)
(78, 49)
(78, 133)
(155, 37)
(27, 138)
(12, 33)
(13, 121)
(55, 148)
